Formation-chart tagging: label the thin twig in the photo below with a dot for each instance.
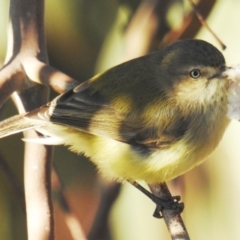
(109, 193)
(190, 24)
(71, 220)
(172, 218)
(203, 22)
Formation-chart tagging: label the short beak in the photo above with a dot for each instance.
(222, 74)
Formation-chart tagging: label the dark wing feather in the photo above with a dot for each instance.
(90, 112)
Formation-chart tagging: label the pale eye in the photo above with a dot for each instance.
(195, 73)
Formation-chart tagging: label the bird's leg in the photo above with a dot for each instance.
(162, 203)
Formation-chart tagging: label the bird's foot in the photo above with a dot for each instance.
(172, 203)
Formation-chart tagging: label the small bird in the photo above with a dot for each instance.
(152, 118)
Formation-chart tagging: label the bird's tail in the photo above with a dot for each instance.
(16, 124)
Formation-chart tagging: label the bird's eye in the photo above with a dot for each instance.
(195, 73)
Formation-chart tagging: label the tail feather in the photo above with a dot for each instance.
(16, 124)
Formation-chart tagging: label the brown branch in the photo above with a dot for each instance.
(147, 28)
(190, 24)
(37, 171)
(26, 39)
(71, 220)
(27, 55)
(47, 75)
(141, 31)
(109, 193)
(11, 80)
(170, 214)
(171, 217)
(203, 22)
(13, 76)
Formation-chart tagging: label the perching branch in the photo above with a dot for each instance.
(171, 214)
(171, 217)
